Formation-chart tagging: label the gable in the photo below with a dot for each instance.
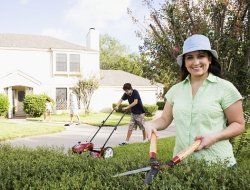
(19, 78)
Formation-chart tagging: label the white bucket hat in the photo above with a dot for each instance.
(194, 43)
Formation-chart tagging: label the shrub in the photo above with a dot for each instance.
(241, 142)
(34, 105)
(160, 105)
(4, 105)
(120, 108)
(52, 168)
(149, 109)
(246, 104)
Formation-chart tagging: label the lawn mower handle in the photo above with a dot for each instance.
(114, 128)
(101, 125)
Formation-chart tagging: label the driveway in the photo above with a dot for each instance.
(75, 133)
(72, 134)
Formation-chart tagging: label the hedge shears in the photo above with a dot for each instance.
(155, 166)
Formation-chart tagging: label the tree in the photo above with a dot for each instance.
(114, 55)
(225, 22)
(85, 89)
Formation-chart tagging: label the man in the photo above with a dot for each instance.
(137, 111)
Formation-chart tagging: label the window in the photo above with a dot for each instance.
(61, 62)
(61, 98)
(74, 62)
(66, 63)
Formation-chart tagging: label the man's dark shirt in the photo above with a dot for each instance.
(138, 108)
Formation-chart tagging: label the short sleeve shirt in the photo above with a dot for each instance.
(138, 108)
(203, 114)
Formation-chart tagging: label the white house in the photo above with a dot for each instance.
(42, 64)
(111, 83)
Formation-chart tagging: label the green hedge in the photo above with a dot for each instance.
(34, 104)
(160, 105)
(51, 168)
(149, 109)
(4, 105)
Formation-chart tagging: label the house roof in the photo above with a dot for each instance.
(36, 41)
(119, 78)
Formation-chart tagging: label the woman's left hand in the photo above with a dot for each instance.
(206, 141)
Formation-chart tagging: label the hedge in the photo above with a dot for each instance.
(160, 105)
(53, 168)
(34, 104)
(4, 105)
(149, 109)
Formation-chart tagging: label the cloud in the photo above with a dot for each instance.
(24, 2)
(55, 32)
(96, 13)
(107, 16)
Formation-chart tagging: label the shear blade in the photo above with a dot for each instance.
(150, 175)
(133, 171)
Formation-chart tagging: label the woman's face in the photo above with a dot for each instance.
(197, 63)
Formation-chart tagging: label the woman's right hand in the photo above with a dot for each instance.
(149, 128)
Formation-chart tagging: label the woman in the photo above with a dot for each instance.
(203, 105)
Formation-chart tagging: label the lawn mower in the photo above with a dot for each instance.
(105, 152)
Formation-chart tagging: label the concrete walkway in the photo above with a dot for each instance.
(72, 134)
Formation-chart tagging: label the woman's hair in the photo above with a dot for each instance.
(214, 67)
(127, 86)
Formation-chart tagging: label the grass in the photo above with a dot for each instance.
(34, 126)
(94, 119)
(11, 130)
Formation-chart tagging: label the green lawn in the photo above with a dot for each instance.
(34, 126)
(94, 119)
(11, 130)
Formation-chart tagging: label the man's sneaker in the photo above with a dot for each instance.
(123, 143)
(145, 141)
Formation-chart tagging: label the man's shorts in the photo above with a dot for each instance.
(136, 120)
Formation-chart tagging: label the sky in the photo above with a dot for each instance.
(70, 20)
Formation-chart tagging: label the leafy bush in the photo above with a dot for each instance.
(4, 105)
(34, 105)
(120, 108)
(52, 168)
(160, 105)
(241, 142)
(149, 109)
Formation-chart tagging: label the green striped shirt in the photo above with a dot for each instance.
(202, 115)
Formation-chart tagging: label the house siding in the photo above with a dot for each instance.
(33, 70)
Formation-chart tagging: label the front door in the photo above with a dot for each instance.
(20, 94)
